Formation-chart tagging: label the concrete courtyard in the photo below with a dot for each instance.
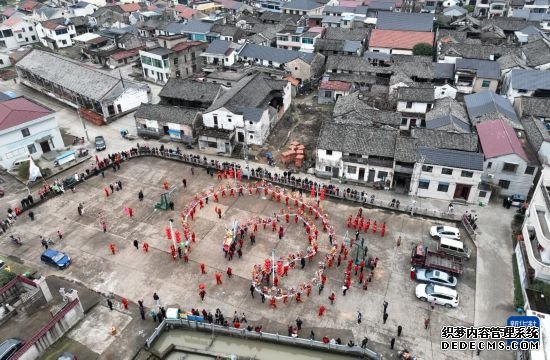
(135, 274)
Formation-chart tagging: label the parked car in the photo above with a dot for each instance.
(10, 347)
(100, 143)
(430, 276)
(517, 200)
(440, 294)
(449, 232)
(55, 258)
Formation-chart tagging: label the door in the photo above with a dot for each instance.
(227, 149)
(361, 174)
(371, 175)
(240, 137)
(335, 172)
(166, 129)
(45, 145)
(462, 191)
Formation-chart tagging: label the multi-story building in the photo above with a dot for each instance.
(27, 128)
(490, 8)
(56, 33)
(181, 60)
(536, 230)
(297, 38)
(16, 32)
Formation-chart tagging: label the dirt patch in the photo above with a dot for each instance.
(302, 123)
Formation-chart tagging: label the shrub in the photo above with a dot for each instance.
(423, 49)
(519, 302)
(6, 277)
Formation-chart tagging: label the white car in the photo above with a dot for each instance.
(448, 232)
(441, 295)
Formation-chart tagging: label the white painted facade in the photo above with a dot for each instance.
(415, 107)
(255, 132)
(14, 146)
(535, 228)
(499, 169)
(330, 163)
(129, 100)
(444, 91)
(159, 70)
(219, 59)
(58, 38)
(390, 50)
(434, 184)
(23, 33)
(84, 11)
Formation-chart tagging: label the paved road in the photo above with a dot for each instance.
(494, 295)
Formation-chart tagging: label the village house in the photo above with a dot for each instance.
(526, 82)
(508, 162)
(189, 93)
(56, 33)
(159, 120)
(447, 174)
(535, 118)
(486, 105)
(330, 90)
(414, 103)
(472, 75)
(398, 42)
(302, 7)
(244, 114)
(99, 96)
(27, 128)
(220, 53)
(405, 21)
(448, 115)
(16, 32)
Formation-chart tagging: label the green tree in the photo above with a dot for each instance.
(424, 49)
(6, 277)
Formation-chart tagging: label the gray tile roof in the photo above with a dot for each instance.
(487, 102)
(218, 47)
(351, 138)
(167, 114)
(381, 5)
(448, 106)
(332, 19)
(458, 9)
(159, 50)
(251, 113)
(227, 30)
(507, 23)
(192, 26)
(352, 46)
(253, 91)
(484, 68)
(537, 53)
(443, 70)
(301, 5)
(510, 61)
(451, 158)
(280, 56)
(354, 109)
(448, 123)
(527, 79)
(358, 34)
(476, 51)
(531, 106)
(189, 90)
(377, 56)
(416, 94)
(73, 76)
(535, 131)
(329, 45)
(355, 64)
(404, 21)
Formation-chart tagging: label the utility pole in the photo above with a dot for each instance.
(245, 152)
(82, 120)
(416, 182)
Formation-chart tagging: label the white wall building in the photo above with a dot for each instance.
(26, 128)
(56, 34)
(526, 82)
(16, 32)
(155, 63)
(447, 174)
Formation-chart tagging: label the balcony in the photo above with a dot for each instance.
(533, 247)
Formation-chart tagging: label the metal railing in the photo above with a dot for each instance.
(261, 336)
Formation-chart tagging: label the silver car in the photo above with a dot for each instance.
(437, 277)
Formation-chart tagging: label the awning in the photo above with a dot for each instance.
(42, 139)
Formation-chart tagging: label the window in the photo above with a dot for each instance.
(509, 167)
(530, 170)
(404, 121)
(251, 123)
(328, 94)
(409, 105)
(447, 171)
(482, 194)
(352, 169)
(522, 91)
(30, 28)
(20, 36)
(423, 184)
(33, 38)
(467, 174)
(486, 83)
(176, 60)
(25, 132)
(505, 184)
(61, 31)
(443, 187)
(31, 148)
(308, 41)
(382, 175)
(1, 62)
(427, 168)
(251, 137)
(295, 39)
(489, 164)
(329, 152)
(64, 42)
(328, 168)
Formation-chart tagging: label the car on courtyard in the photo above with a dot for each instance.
(10, 347)
(55, 258)
(100, 143)
(448, 232)
(517, 200)
(431, 276)
(441, 295)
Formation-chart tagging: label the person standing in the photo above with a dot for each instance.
(110, 304)
(385, 317)
(140, 195)
(80, 209)
(299, 323)
(392, 343)
(136, 244)
(399, 330)
(385, 304)
(252, 289)
(156, 298)
(359, 317)
(426, 323)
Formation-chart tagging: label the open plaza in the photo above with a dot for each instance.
(134, 274)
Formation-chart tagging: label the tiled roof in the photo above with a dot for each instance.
(358, 34)
(497, 138)
(532, 106)
(443, 70)
(186, 45)
(169, 114)
(399, 39)
(476, 51)
(125, 54)
(451, 158)
(484, 68)
(20, 110)
(416, 94)
(487, 102)
(536, 52)
(189, 90)
(219, 47)
(301, 5)
(405, 21)
(130, 7)
(335, 85)
(528, 79)
(12, 21)
(535, 131)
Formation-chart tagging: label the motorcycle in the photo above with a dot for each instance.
(16, 240)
